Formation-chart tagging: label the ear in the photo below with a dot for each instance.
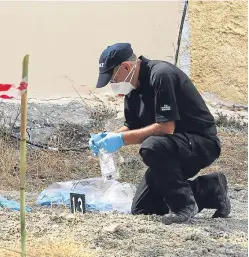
(125, 65)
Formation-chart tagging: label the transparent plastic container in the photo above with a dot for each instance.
(108, 165)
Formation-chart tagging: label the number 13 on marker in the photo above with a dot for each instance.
(77, 203)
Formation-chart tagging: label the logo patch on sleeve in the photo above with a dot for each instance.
(165, 108)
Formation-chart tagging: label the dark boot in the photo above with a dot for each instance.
(211, 192)
(224, 207)
(181, 216)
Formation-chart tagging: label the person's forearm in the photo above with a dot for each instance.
(122, 129)
(139, 135)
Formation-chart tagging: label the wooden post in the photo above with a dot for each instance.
(23, 156)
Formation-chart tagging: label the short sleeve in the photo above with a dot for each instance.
(166, 108)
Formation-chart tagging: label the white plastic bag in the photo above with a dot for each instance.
(101, 194)
(120, 195)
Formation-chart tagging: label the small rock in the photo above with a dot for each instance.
(112, 228)
(204, 251)
(54, 217)
(63, 216)
(41, 176)
(55, 226)
(92, 246)
(70, 217)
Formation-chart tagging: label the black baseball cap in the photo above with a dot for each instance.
(110, 58)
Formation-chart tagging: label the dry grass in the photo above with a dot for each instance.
(234, 123)
(35, 248)
(46, 167)
(8, 164)
(234, 157)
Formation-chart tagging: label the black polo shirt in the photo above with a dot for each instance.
(167, 94)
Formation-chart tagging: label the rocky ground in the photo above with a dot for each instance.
(54, 231)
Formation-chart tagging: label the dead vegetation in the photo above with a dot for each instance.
(61, 248)
(46, 166)
(234, 157)
(234, 123)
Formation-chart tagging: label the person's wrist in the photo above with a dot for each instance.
(122, 139)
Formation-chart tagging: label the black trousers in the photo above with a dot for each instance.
(172, 161)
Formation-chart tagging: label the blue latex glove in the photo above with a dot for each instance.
(112, 142)
(94, 139)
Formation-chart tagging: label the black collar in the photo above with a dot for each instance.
(144, 69)
(144, 75)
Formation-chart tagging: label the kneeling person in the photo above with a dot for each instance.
(164, 113)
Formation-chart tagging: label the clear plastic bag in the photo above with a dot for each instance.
(108, 165)
(120, 195)
(100, 194)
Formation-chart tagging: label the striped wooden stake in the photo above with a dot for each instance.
(23, 156)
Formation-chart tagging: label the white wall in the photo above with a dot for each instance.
(66, 39)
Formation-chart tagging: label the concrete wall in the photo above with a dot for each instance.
(218, 48)
(66, 39)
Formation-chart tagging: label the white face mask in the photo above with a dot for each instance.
(123, 88)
